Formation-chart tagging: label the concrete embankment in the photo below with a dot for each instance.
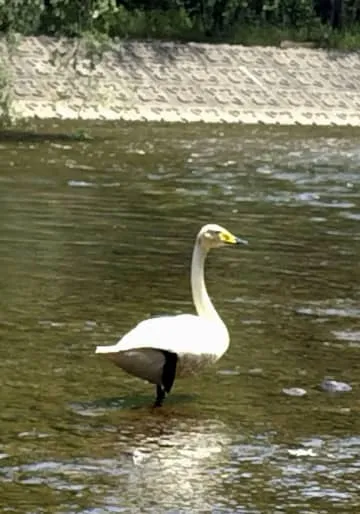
(175, 82)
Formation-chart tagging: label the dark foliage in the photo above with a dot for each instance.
(219, 20)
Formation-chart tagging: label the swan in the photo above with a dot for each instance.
(162, 348)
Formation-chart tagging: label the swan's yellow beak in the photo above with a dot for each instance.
(229, 238)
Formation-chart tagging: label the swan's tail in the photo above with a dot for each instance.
(106, 349)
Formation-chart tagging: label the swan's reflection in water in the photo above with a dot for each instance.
(170, 466)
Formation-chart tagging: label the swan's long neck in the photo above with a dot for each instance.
(202, 302)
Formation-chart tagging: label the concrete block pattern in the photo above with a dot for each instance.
(161, 81)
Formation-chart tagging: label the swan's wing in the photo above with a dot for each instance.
(183, 334)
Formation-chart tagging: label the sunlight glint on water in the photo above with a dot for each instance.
(97, 235)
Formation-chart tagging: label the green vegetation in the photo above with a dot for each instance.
(7, 47)
(5, 101)
(333, 23)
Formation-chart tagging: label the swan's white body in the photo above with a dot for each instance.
(196, 341)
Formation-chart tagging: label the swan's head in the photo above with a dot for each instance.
(213, 236)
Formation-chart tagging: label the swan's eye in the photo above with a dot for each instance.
(212, 234)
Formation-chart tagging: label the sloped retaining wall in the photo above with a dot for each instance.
(174, 82)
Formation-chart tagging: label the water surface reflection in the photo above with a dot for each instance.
(96, 235)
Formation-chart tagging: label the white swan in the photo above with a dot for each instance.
(158, 349)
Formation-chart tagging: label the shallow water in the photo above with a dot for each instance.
(97, 235)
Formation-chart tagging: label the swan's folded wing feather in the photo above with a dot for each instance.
(183, 334)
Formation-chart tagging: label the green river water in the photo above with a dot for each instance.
(97, 235)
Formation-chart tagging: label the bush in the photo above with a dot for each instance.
(256, 21)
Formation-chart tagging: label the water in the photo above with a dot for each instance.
(97, 235)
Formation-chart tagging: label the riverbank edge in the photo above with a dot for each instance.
(150, 81)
